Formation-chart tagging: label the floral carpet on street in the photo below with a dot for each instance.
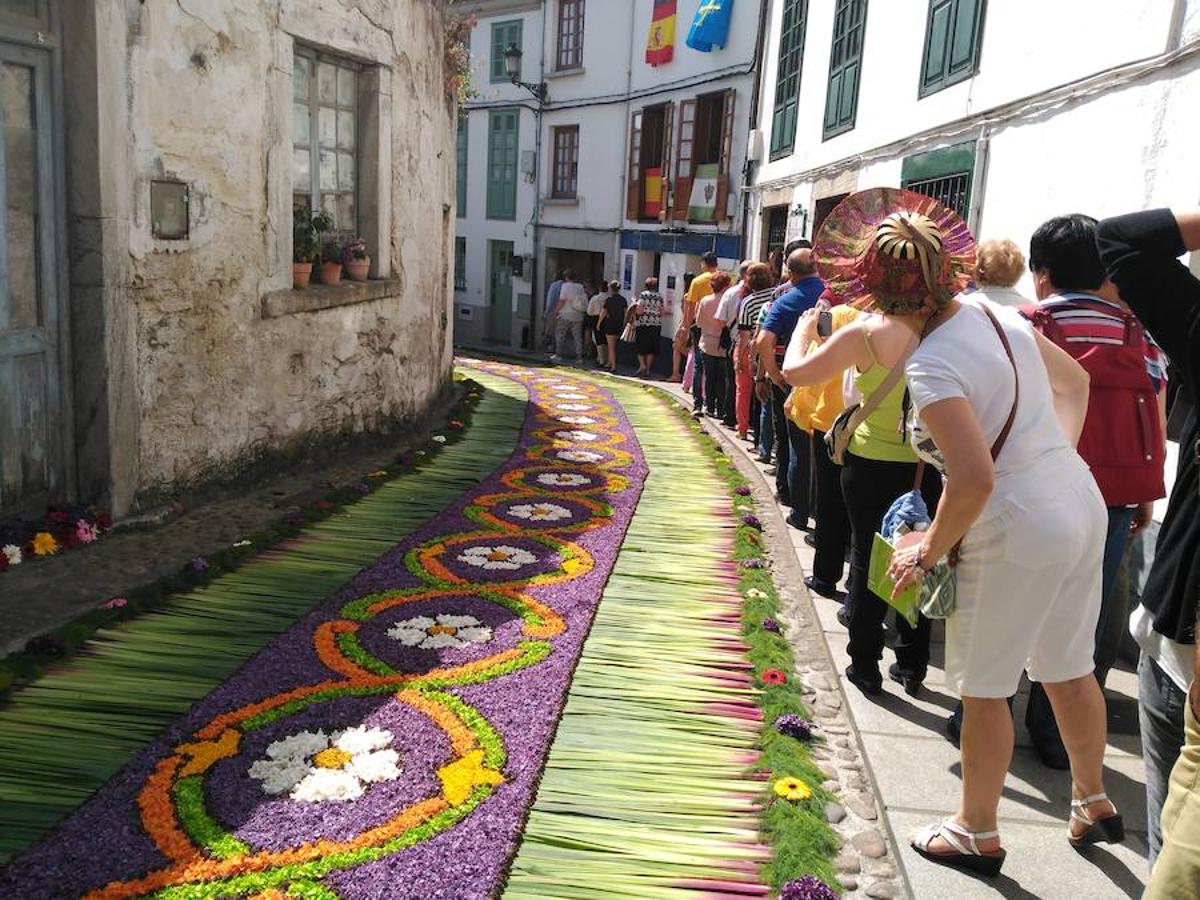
(391, 743)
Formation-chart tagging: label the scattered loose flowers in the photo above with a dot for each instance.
(22, 541)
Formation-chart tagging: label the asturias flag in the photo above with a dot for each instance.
(711, 26)
(660, 44)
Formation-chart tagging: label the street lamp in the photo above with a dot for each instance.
(512, 66)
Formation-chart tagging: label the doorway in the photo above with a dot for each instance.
(32, 408)
(500, 254)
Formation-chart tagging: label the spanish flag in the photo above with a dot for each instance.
(660, 45)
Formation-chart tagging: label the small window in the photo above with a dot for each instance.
(460, 263)
(462, 167)
(503, 34)
(565, 176)
(325, 136)
(845, 66)
(570, 35)
(503, 148)
(953, 39)
(944, 174)
(787, 78)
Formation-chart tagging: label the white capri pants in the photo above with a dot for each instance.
(1029, 591)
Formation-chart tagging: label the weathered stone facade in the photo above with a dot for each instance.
(191, 359)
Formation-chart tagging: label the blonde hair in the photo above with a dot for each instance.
(998, 262)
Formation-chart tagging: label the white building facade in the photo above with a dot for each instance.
(627, 170)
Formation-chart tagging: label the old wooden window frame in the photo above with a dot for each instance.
(845, 67)
(504, 34)
(787, 78)
(564, 171)
(958, 31)
(496, 209)
(316, 192)
(568, 52)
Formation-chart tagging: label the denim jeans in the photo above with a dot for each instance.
(1160, 713)
(794, 471)
(766, 429)
(1039, 716)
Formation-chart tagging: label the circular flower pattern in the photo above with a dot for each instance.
(440, 632)
(312, 767)
(578, 420)
(563, 479)
(577, 435)
(497, 557)
(570, 395)
(573, 407)
(579, 456)
(540, 512)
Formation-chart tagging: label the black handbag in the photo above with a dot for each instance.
(726, 341)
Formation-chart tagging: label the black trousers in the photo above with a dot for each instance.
(870, 487)
(832, 531)
(714, 384)
(730, 402)
(793, 468)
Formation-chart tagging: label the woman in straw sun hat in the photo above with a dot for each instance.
(998, 409)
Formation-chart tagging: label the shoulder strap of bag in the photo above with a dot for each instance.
(878, 395)
(1012, 413)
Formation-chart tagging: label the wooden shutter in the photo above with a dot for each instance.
(633, 192)
(725, 179)
(684, 161)
(668, 136)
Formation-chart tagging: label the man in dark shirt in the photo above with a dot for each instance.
(793, 470)
(1140, 252)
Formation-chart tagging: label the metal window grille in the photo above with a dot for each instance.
(777, 219)
(953, 191)
(325, 136)
(566, 162)
(570, 34)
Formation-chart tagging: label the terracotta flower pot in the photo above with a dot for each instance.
(357, 269)
(331, 273)
(301, 273)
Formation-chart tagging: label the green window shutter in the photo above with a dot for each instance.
(460, 263)
(503, 34)
(953, 41)
(787, 78)
(946, 174)
(845, 65)
(502, 164)
(462, 167)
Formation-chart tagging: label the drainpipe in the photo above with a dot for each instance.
(760, 46)
(979, 180)
(536, 299)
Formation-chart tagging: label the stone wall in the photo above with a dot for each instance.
(202, 93)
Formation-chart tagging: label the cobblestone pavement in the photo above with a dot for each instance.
(41, 596)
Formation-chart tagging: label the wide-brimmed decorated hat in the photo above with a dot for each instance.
(892, 249)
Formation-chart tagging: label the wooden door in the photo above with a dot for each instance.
(31, 403)
(500, 255)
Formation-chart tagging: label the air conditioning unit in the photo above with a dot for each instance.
(754, 147)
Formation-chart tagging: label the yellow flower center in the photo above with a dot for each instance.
(498, 556)
(441, 629)
(332, 758)
(542, 511)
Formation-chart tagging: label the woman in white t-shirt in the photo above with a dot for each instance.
(1017, 496)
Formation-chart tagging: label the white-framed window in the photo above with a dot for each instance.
(325, 118)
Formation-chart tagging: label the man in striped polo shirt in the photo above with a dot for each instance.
(1123, 440)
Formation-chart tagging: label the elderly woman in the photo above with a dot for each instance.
(999, 265)
(647, 312)
(999, 410)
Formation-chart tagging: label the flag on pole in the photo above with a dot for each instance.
(711, 26)
(660, 44)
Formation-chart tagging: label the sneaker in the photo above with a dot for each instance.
(869, 681)
(911, 683)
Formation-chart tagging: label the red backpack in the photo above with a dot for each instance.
(1122, 440)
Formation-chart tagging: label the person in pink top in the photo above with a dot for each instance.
(712, 395)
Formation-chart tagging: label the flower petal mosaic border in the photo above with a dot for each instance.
(406, 719)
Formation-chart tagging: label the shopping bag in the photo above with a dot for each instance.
(909, 601)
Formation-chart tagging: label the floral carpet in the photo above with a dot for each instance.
(402, 724)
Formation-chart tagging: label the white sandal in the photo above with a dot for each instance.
(1109, 830)
(968, 855)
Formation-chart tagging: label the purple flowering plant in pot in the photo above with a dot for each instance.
(355, 259)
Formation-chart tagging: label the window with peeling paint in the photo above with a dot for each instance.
(325, 136)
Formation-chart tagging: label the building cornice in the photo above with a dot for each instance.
(489, 8)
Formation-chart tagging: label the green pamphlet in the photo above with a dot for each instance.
(908, 603)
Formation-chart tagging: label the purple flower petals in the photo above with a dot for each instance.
(772, 626)
(742, 491)
(810, 887)
(752, 522)
(794, 726)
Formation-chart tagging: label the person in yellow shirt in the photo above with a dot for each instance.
(816, 408)
(700, 288)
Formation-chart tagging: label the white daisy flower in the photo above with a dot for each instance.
(312, 767)
(576, 435)
(563, 479)
(439, 439)
(573, 407)
(499, 556)
(579, 456)
(443, 631)
(12, 553)
(578, 420)
(540, 512)
(570, 395)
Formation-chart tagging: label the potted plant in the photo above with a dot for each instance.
(331, 262)
(304, 246)
(355, 258)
